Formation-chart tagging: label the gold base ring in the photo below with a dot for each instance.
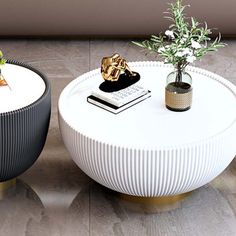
(153, 204)
(5, 186)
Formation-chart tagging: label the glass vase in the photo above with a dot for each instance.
(178, 91)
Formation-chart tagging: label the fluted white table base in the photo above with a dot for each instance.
(149, 172)
(142, 151)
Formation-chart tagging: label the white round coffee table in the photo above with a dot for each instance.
(148, 150)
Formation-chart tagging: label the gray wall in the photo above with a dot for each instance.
(106, 17)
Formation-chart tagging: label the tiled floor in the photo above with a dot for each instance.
(54, 197)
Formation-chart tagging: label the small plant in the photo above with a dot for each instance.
(185, 41)
(2, 61)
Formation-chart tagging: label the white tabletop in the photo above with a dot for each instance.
(25, 87)
(149, 124)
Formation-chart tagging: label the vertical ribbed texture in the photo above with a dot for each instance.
(158, 171)
(149, 172)
(23, 133)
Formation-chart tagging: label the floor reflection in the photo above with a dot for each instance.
(20, 193)
(204, 207)
(97, 210)
(78, 214)
(20, 208)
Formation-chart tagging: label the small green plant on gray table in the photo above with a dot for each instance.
(2, 62)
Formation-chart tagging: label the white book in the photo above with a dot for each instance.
(122, 96)
(113, 108)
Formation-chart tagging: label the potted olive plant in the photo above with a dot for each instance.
(185, 41)
(2, 62)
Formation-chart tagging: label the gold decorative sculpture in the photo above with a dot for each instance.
(117, 74)
(113, 66)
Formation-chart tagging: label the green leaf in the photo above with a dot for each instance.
(138, 44)
(2, 60)
(185, 30)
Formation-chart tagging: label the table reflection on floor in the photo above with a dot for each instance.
(20, 206)
(204, 211)
(96, 210)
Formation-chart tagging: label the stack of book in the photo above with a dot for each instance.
(118, 101)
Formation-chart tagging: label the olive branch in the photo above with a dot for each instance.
(185, 41)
